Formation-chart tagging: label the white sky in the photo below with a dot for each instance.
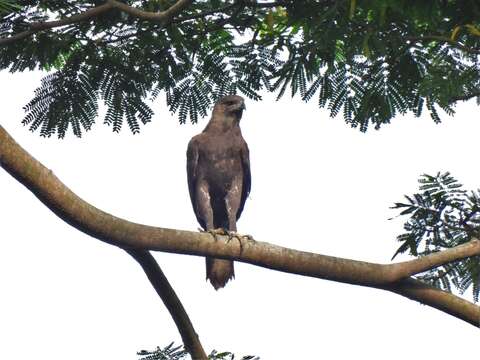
(317, 185)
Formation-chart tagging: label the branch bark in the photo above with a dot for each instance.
(103, 226)
(163, 17)
(163, 288)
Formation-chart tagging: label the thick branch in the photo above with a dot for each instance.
(172, 302)
(441, 300)
(163, 17)
(83, 216)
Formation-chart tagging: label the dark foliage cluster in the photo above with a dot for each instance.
(441, 216)
(172, 352)
(169, 352)
(365, 60)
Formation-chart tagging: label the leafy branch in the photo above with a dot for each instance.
(442, 216)
(171, 352)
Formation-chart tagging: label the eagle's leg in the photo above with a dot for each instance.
(203, 206)
(219, 271)
(232, 204)
(204, 209)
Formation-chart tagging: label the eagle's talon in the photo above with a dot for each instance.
(215, 232)
(231, 235)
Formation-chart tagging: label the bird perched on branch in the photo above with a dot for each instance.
(218, 171)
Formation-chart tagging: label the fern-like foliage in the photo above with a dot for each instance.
(65, 98)
(8, 5)
(443, 215)
(366, 61)
(172, 352)
(169, 352)
(215, 355)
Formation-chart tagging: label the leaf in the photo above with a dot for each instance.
(409, 210)
(408, 244)
(9, 5)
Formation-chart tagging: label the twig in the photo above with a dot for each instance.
(163, 17)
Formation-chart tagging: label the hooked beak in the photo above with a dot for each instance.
(243, 107)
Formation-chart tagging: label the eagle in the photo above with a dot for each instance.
(218, 172)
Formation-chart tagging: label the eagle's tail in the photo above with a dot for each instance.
(219, 272)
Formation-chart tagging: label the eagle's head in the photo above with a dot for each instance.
(231, 105)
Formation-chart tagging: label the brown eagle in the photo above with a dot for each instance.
(218, 170)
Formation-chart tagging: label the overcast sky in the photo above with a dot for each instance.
(317, 185)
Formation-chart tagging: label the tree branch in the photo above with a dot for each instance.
(441, 300)
(172, 302)
(163, 17)
(103, 226)
(40, 26)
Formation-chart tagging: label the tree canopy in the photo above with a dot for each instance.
(368, 59)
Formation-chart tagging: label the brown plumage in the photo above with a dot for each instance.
(218, 171)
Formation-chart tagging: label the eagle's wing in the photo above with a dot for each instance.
(192, 172)
(247, 179)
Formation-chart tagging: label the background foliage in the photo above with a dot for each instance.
(172, 352)
(367, 60)
(441, 216)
